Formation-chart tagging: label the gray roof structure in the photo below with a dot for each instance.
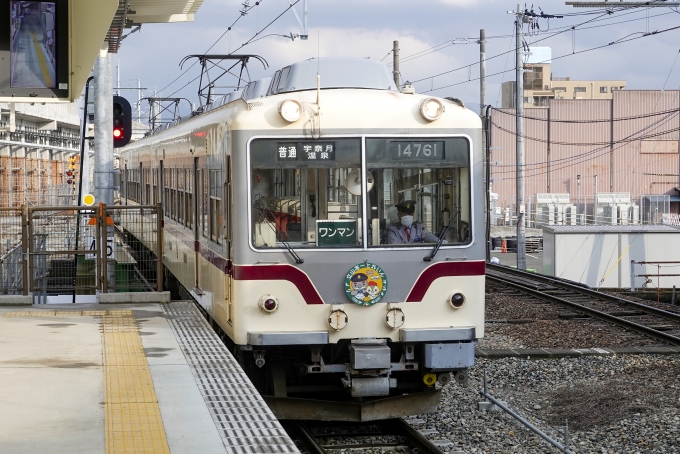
(335, 72)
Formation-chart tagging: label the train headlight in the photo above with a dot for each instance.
(269, 304)
(431, 109)
(290, 110)
(457, 300)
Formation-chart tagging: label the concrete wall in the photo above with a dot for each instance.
(603, 258)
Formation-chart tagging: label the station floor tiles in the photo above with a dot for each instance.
(150, 378)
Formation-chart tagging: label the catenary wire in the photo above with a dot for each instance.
(450, 42)
(600, 120)
(242, 45)
(670, 113)
(501, 54)
(657, 32)
(243, 14)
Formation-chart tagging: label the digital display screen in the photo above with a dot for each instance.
(417, 150)
(33, 44)
(303, 151)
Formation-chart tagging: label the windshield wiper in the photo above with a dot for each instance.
(279, 235)
(440, 240)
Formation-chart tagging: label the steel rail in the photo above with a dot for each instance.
(593, 312)
(576, 287)
(414, 438)
(396, 426)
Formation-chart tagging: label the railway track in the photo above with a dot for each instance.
(322, 437)
(660, 324)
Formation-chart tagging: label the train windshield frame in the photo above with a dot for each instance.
(340, 192)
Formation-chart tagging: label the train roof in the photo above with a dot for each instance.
(335, 72)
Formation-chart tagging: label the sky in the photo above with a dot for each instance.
(439, 36)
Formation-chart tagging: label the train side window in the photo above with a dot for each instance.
(167, 179)
(189, 199)
(215, 204)
(307, 193)
(156, 199)
(173, 194)
(204, 212)
(432, 177)
(147, 189)
(180, 195)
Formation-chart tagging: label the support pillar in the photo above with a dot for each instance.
(103, 127)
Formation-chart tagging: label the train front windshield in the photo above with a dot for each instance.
(313, 194)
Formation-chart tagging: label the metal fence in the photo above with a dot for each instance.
(64, 254)
(651, 210)
(11, 255)
(133, 248)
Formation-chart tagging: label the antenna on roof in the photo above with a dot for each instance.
(318, 82)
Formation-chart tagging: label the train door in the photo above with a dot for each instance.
(197, 225)
(228, 281)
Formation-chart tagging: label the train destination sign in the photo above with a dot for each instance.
(305, 151)
(416, 150)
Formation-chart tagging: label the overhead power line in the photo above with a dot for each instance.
(244, 44)
(501, 54)
(243, 12)
(645, 35)
(597, 120)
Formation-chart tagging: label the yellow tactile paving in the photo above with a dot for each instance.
(132, 415)
(133, 418)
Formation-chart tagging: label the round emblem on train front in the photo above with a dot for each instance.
(365, 284)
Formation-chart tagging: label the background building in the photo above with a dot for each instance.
(540, 86)
(36, 142)
(627, 144)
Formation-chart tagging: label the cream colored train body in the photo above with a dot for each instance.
(280, 222)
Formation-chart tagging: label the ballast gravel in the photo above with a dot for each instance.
(533, 324)
(613, 404)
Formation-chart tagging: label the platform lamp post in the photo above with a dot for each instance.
(578, 199)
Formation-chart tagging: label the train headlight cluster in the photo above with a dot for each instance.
(290, 110)
(457, 300)
(431, 109)
(269, 304)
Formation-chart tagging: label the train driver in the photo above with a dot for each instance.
(407, 230)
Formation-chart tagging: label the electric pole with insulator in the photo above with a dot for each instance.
(519, 111)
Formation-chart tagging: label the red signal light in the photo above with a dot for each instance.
(69, 173)
(117, 133)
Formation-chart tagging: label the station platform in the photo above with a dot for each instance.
(126, 378)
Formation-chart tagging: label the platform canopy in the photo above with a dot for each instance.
(132, 13)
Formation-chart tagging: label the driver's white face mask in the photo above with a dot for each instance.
(407, 220)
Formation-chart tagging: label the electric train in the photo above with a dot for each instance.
(277, 203)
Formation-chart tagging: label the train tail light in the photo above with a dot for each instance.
(269, 304)
(457, 300)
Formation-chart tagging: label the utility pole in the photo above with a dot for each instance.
(487, 152)
(395, 63)
(519, 132)
(139, 100)
(578, 198)
(482, 71)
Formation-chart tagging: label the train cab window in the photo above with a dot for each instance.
(431, 178)
(306, 193)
